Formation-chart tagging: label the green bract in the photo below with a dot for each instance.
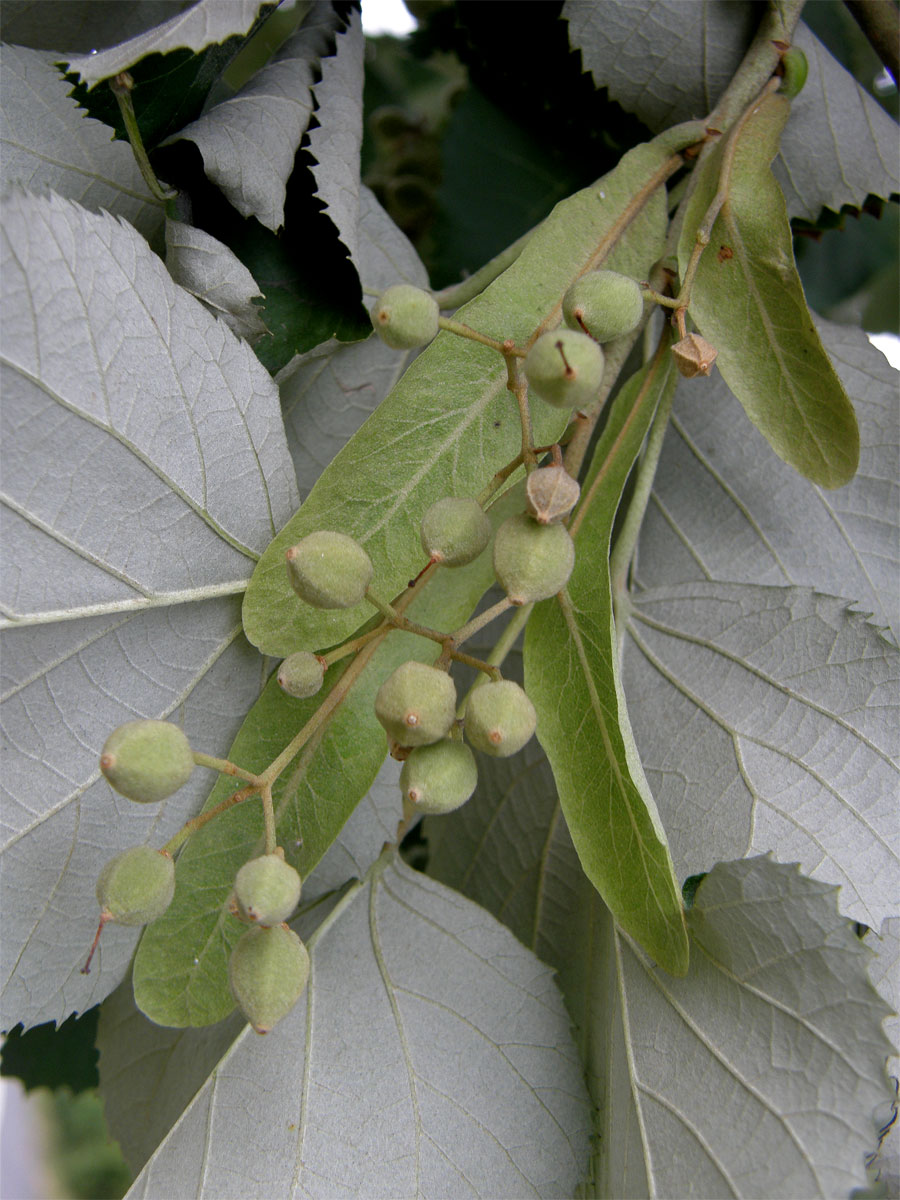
(796, 69)
(405, 317)
(268, 971)
(604, 304)
(532, 561)
(266, 890)
(147, 760)
(500, 718)
(455, 531)
(301, 674)
(440, 777)
(565, 368)
(416, 704)
(329, 570)
(136, 886)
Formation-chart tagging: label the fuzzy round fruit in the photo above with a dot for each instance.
(500, 718)
(440, 777)
(604, 304)
(564, 368)
(136, 886)
(268, 971)
(405, 317)
(455, 531)
(329, 570)
(301, 674)
(416, 704)
(147, 760)
(551, 493)
(266, 890)
(532, 561)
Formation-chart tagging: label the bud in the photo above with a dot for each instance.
(329, 569)
(266, 890)
(416, 704)
(147, 760)
(268, 971)
(301, 674)
(500, 718)
(439, 778)
(455, 531)
(531, 561)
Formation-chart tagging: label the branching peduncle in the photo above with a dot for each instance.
(122, 86)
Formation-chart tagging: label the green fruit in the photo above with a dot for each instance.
(268, 971)
(405, 317)
(147, 760)
(796, 69)
(329, 570)
(440, 777)
(500, 718)
(301, 674)
(416, 704)
(565, 368)
(532, 561)
(266, 890)
(455, 531)
(136, 886)
(604, 304)
(551, 493)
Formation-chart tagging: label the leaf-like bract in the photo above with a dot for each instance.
(49, 142)
(144, 468)
(748, 301)
(767, 721)
(715, 514)
(450, 422)
(206, 268)
(572, 677)
(249, 141)
(456, 1066)
(205, 23)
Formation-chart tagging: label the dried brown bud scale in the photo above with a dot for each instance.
(694, 355)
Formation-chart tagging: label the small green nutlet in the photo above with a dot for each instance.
(405, 317)
(455, 531)
(147, 760)
(266, 890)
(604, 304)
(268, 971)
(439, 778)
(301, 674)
(416, 704)
(136, 886)
(565, 368)
(796, 69)
(329, 570)
(532, 561)
(500, 718)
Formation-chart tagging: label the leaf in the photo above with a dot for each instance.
(206, 268)
(335, 143)
(664, 60)
(572, 676)
(756, 1074)
(449, 424)
(453, 1054)
(61, 25)
(181, 969)
(249, 141)
(47, 1057)
(668, 61)
(120, 394)
(48, 143)
(716, 513)
(205, 23)
(839, 145)
(749, 303)
(884, 971)
(766, 721)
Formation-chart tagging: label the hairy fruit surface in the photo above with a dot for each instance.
(301, 674)
(455, 531)
(604, 304)
(329, 569)
(416, 704)
(532, 561)
(266, 890)
(551, 493)
(440, 777)
(136, 886)
(147, 760)
(268, 971)
(500, 718)
(565, 368)
(405, 317)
